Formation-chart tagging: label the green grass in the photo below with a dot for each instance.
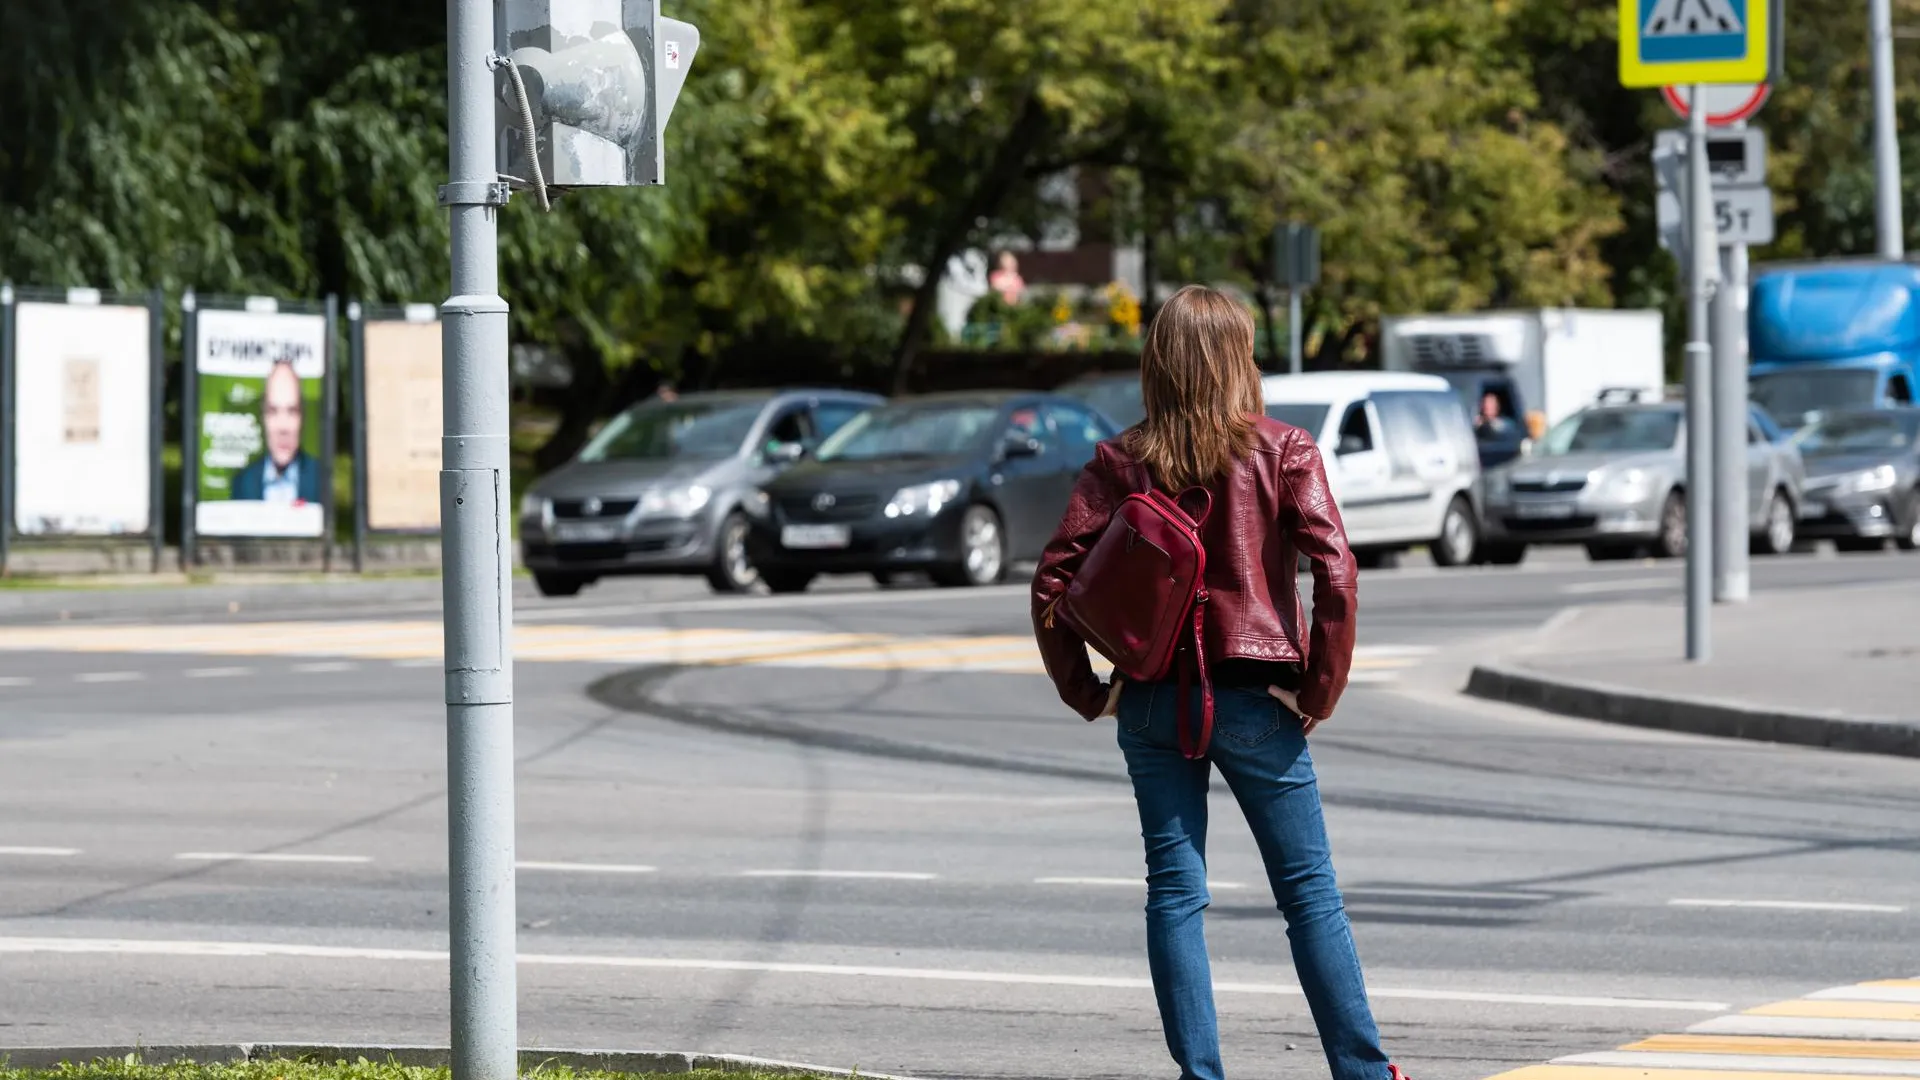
(121, 1069)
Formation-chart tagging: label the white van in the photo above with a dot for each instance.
(1400, 455)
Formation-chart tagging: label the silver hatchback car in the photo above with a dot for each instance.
(661, 489)
(1613, 477)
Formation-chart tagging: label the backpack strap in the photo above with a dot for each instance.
(1195, 748)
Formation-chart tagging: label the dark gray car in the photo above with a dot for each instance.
(1863, 479)
(659, 490)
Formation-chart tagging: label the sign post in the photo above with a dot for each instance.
(1296, 264)
(1699, 43)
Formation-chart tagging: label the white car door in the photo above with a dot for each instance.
(1358, 472)
(1421, 466)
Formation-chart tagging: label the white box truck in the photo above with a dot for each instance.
(1541, 366)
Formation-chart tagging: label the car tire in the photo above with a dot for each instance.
(1610, 552)
(1502, 554)
(1377, 558)
(1671, 541)
(732, 571)
(1777, 535)
(1459, 535)
(551, 584)
(1855, 545)
(1906, 521)
(784, 582)
(983, 551)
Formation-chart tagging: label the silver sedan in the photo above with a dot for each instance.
(1613, 478)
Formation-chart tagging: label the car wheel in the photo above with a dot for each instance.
(1776, 538)
(1610, 552)
(1672, 540)
(560, 584)
(787, 581)
(983, 551)
(1376, 558)
(732, 571)
(1907, 522)
(1497, 554)
(1459, 534)
(1858, 544)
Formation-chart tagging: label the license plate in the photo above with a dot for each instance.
(815, 537)
(1543, 511)
(586, 532)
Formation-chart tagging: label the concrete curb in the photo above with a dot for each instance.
(294, 598)
(433, 1057)
(1695, 716)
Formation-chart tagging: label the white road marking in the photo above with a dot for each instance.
(15, 680)
(48, 852)
(268, 857)
(1905, 994)
(586, 868)
(1368, 892)
(867, 875)
(109, 676)
(1125, 882)
(1586, 588)
(324, 666)
(217, 672)
(1746, 1063)
(1809, 1027)
(255, 950)
(420, 661)
(1789, 905)
(1559, 619)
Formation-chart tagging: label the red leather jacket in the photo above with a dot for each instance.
(1273, 507)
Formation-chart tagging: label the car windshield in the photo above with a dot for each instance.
(1613, 431)
(1307, 418)
(1860, 433)
(1793, 396)
(897, 431)
(1117, 399)
(664, 431)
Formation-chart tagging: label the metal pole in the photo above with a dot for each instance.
(157, 424)
(1886, 151)
(476, 571)
(1293, 329)
(1700, 250)
(1730, 495)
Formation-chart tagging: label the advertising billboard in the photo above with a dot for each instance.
(259, 442)
(399, 380)
(82, 419)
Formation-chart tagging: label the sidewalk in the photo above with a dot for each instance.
(1815, 667)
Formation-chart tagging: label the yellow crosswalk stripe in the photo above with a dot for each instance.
(1627, 1072)
(1778, 1047)
(1841, 1010)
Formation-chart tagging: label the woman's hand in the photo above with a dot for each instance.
(1292, 702)
(1113, 700)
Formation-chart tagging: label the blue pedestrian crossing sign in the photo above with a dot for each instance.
(1678, 42)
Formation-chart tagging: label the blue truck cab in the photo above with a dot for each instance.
(1828, 336)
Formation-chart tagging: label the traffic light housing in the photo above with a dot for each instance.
(601, 77)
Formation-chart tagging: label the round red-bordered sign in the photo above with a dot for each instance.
(1729, 104)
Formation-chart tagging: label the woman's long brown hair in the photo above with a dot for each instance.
(1200, 386)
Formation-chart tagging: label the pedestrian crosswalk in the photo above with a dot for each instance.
(1869, 1029)
(629, 646)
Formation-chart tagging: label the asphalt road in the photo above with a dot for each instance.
(765, 840)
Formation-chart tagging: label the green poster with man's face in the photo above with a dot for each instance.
(262, 380)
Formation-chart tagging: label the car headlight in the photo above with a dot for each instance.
(674, 502)
(1498, 486)
(537, 509)
(922, 498)
(1879, 478)
(1631, 485)
(758, 504)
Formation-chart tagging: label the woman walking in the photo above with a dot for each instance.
(1205, 427)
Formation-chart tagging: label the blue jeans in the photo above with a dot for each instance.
(1259, 749)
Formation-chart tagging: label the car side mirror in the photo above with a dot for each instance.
(1021, 446)
(785, 453)
(1351, 444)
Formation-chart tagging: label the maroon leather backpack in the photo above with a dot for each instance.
(1140, 598)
